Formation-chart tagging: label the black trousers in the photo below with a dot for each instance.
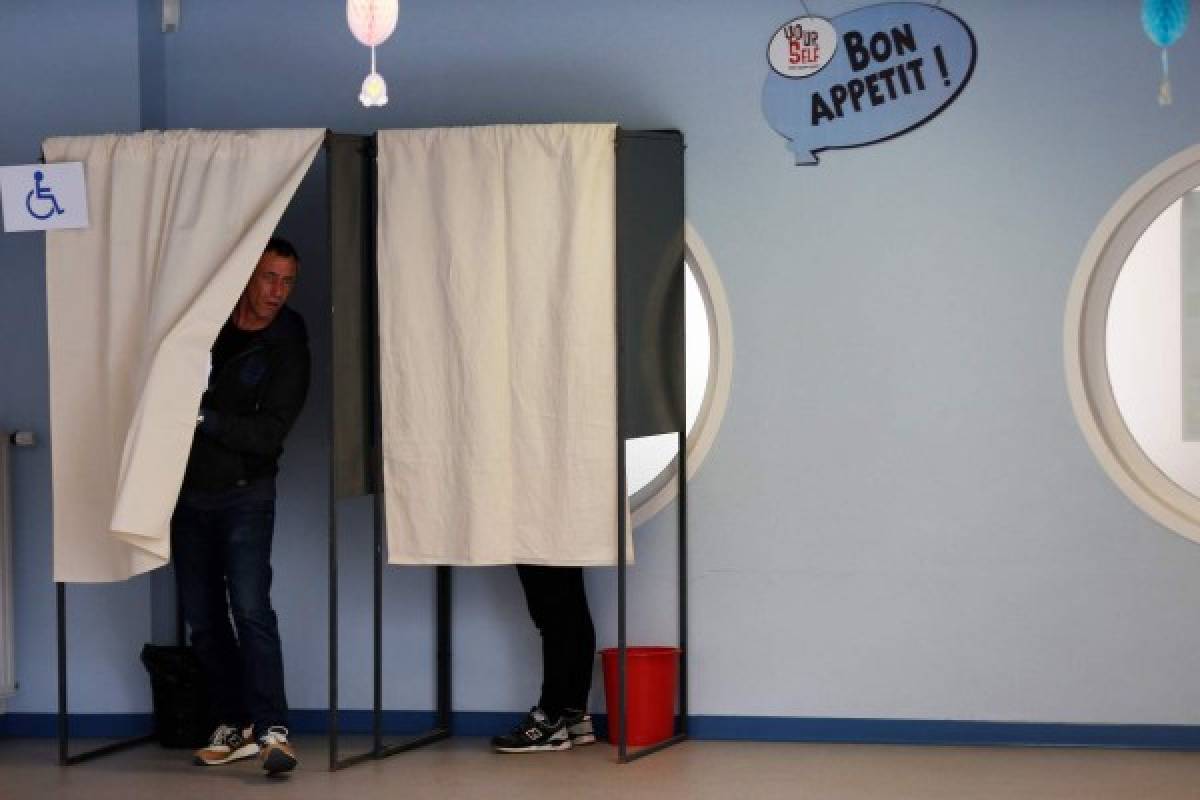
(559, 608)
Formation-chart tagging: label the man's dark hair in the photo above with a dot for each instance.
(282, 247)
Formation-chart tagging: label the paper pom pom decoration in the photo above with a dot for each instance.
(1164, 22)
(372, 22)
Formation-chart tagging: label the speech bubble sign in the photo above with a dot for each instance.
(895, 67)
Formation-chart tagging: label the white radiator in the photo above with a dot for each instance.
(8, 674)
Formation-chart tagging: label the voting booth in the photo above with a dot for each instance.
(507, 310)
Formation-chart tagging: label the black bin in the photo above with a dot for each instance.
(181, 713)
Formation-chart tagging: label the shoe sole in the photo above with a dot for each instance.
(537, 748)
(278, 761)
(245, 751)
(582, 739)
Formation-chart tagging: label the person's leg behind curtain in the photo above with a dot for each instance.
(583, 644)
(558, 609)
(558, 605)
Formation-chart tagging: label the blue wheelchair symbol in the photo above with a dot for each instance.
(42, 193)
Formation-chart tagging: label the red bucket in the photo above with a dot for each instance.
(651, 677)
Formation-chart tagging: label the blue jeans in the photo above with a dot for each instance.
(221, 543)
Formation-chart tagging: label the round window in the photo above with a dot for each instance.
(651, 461)
(1132, 343)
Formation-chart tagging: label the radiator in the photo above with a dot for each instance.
(8, 674)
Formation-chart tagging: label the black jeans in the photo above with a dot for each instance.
(559, 608)
(221, 543)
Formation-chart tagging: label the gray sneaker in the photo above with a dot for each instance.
(535, 734)
(579, 727)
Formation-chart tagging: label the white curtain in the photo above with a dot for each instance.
(498, 344)
(178, 221)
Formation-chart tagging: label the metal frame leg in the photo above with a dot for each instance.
(624, 756)
(443, 585)
(441, 729)
(443, 600)
(64, 757)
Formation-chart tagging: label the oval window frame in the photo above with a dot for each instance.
(1085, 344)
(664, 488)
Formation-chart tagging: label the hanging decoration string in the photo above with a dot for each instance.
(1164, 89)
(1164, 22)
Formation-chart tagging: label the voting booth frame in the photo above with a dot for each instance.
(650, 339)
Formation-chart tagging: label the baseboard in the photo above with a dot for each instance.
(400, 723)
(944, 732)
(754, 729)
(84, 726)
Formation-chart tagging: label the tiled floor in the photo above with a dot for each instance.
(464, 768)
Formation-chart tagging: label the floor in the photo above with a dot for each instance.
(464, 768)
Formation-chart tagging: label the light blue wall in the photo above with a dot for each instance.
(900, 517)
(69, 68)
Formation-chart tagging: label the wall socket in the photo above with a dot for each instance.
(23, 439)
(170, 15)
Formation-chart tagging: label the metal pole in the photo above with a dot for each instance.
(444, 644)
(333, 631)
(443, 588)
(333, 548)
(622, 556)
(680, 413)
(60, 595)
(372, 179)
(65, 759)
(682, 578)
(377, 716)
(683, 499)
(622, 645)
(681, 410)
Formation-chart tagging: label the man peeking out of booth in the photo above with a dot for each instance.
(224, 520)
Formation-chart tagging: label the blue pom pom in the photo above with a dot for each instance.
(1165, 20)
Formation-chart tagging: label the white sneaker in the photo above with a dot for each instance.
(579, 727)
(275, 754)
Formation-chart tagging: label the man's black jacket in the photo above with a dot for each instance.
(250, 405)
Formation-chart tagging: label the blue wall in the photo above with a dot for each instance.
(899, 519)
(70, 68)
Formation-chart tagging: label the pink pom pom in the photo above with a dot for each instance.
(372, 21)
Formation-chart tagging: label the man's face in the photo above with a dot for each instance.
(269, 286)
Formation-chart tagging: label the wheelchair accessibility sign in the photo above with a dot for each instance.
(40, 197)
